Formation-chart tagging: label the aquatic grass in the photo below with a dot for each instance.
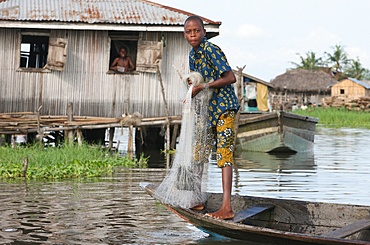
(338, 117)
(68, 161)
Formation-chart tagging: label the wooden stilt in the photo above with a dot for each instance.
(70, 133)
(174, 136)
(167, 118)
(168, 140)
(79, 136)
(40, 134)
(130, 145)
(111, 136)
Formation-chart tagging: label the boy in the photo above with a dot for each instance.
(208, 59)
(123, 63)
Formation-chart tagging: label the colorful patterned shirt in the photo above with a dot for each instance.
(211, 62)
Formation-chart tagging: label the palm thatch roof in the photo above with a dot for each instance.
(300, 80)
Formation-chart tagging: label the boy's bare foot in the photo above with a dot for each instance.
(221, 214)
(199, 207)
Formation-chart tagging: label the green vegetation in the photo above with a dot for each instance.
(338, 62)
(338, 117)
(69, 161)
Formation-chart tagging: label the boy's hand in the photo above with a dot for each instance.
(196, 90)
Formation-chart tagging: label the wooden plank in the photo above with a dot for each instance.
(250, 212)
(349, 229)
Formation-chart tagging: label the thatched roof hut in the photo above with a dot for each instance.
(300, 80)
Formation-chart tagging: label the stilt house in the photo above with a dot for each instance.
(56, 52)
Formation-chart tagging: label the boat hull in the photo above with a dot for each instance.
(288, 222)
(275, 132)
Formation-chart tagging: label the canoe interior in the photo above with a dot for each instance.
(288, 222)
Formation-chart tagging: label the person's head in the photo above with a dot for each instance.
(122, 52)
(194, 31)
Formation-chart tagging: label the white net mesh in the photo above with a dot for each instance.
(182, 185)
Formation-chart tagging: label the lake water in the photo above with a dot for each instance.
(114, 210)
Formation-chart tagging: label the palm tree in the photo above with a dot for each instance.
(338, 59)
(310, 62)
(355, 70)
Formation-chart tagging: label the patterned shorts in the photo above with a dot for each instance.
(225, 135)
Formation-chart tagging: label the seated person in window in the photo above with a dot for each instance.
(122, 63)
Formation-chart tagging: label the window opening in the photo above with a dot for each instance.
(131, 51)
(34, 51)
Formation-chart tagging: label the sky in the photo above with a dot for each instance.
(266, 36)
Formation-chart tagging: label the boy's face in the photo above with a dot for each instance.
(194, 33)
(122, 52)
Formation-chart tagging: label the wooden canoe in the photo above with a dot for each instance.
(275, 132)
(279, 221)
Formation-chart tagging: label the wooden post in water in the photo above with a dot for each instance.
(240, 96)
(168, 133)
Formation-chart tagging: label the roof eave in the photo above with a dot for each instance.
(212, 30)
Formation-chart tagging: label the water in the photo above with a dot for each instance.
(114, 210)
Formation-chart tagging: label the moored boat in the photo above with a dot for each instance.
(275, 132)
(280, 221)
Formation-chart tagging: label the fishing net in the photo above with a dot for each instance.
(182, 186)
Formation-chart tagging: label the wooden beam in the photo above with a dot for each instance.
(349, 229)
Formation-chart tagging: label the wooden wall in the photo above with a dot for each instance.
(350, 89)
(86, 82)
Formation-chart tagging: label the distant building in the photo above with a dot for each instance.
(300, 86)
(255, 96)
(351, 88)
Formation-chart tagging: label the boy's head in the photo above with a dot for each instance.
(194, 31)
(122, 52)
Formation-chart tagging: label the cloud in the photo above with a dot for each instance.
(321, 40)
(250, 31)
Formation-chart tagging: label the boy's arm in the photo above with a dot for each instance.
(113, 66)
(131, 65)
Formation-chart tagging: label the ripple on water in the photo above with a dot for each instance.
(114, 210)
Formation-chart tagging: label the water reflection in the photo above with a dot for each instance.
(336, 171)
(263, 173)
(114, 210)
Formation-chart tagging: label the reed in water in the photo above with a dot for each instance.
(68, 161)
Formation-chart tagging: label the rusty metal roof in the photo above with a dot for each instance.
(133, 12)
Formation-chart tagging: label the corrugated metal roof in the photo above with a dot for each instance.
(365, 84)
(134, 12)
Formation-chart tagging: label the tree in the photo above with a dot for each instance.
(310, 62)
(338, 63)
(355, 70)
(338, 60)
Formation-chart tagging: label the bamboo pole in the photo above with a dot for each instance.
(168, 142)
